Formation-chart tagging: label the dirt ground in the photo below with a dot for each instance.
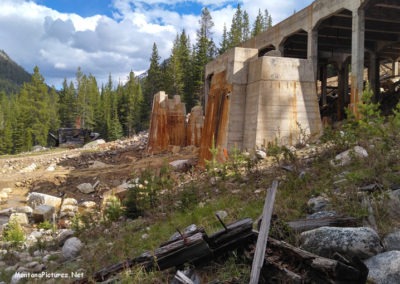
(58, 171)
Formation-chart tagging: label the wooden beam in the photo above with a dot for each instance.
(258, 260)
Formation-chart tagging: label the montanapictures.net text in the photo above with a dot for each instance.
(49, 275)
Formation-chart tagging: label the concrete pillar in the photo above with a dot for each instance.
(373, 74)
(346, 82)
(342, 93)
(312, 49)
(324, 79)
(395, 68)
(357, 59)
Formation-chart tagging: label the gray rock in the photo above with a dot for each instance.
(345, 157)
(98, 165)
(322, 214)
(63, 236)
(94, 144)
(29, 168)
(20, 218)
(69, 208)
(24, 209)
(180, 165)
(36, 199)
(317, 204)
(70, 201)
(384, 268)
(43, 213)
(393, 204)
(260, 154)
(71, 248)
(392, 241)
(86, 188)
(222, 214)
(325, 241)
(88, 204)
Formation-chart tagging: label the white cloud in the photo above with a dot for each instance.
(59, 43)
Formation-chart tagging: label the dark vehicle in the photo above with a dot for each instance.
(73, 137)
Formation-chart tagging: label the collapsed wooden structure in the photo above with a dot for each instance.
(283, 263)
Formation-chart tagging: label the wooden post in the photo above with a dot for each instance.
(259, 255)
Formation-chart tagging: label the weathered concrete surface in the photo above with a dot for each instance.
(281, 102)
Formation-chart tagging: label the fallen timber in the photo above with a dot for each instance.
(283, 263)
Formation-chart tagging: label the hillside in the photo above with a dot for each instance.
(12, 76)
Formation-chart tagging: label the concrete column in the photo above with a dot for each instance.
(346, 82)
(373, 74)
(324, 79)
(342, 93)
(395, 68)
(312, 49)
(357, 59)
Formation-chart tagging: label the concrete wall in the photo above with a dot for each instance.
(271, 97)
(282, 102)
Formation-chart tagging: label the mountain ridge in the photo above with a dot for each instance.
(12, 75)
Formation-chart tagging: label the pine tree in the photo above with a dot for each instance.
(68, 107)
(235, 34)
(153, 82)
(245, 26)
(130, 104)
(204, 51)
(6, 113)
(268, 20)
(259, 24)
(224, 45)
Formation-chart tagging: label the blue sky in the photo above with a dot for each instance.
(110, 36)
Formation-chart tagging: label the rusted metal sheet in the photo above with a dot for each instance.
(168, 126)
(216, 119)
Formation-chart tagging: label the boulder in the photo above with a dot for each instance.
(345, 157)
(317, 204)
(260, 154)
(88, 204)
(29, 168)
(98, 165)
(20, 218)
(36, 199)
(392, 241)
(64, 235)
(393, 204)
(94, 144)
(43, 213)
(71, 248)
(69, 208)
(180, 165)
(350, 242)
(24, 209)
(86, 188)
(70, 201)
(384, 268)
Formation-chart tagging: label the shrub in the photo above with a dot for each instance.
(113, 210)
(14, 233)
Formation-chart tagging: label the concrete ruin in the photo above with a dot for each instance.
(272, 87)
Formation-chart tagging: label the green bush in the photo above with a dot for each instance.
(14, 233)
(113, 210)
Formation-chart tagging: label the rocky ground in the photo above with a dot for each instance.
(64, 182)
(37, 184)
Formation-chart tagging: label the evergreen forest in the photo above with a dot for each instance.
(28, 113)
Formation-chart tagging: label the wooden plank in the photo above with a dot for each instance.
(309, 224)
(258, 260)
